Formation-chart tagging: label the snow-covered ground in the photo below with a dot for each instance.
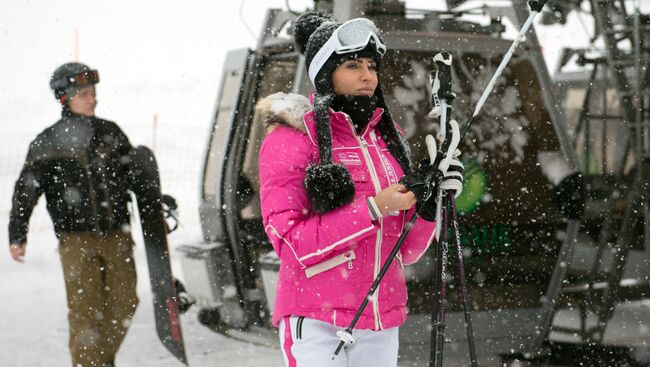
(34, 326)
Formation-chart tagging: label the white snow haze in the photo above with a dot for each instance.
(160, 63)
(157, 60)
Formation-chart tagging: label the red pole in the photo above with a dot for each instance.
(76, 44)
(155, 132)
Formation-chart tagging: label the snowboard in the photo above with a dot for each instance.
(146, 187)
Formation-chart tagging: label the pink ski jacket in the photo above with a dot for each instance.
(329, 260)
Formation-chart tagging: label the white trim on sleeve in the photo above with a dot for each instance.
(275, 231)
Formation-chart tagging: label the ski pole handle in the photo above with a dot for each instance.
(440, 83)
(435, 100)
(443, 75)
(441, 94)
(536, 5)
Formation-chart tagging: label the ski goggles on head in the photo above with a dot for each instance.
(350, 36)
(78, 80)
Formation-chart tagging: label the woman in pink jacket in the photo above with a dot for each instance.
(332, 203)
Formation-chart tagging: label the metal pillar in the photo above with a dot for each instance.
(348, 9)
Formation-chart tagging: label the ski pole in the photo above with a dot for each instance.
(346, 335)
(463, 283)
(441, 97)
(536, 7)
(440, 292)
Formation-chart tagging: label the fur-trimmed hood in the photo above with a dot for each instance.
(284, 109)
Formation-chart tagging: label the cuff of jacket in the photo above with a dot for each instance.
(373, 209)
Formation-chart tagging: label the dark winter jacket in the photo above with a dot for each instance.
(81, 165)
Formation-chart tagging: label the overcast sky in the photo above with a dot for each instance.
(154, 56)
(159, 57)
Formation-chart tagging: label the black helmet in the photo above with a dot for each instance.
(69, 78)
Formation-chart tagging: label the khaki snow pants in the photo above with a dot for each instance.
(100, 281)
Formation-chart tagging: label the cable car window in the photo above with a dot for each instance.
(508, 220)
(277, 76)
(212, 177)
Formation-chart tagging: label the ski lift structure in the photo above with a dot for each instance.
(542, 287)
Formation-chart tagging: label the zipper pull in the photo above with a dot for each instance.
(348, 255)
(373, 136)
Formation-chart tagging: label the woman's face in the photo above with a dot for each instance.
(357, 77)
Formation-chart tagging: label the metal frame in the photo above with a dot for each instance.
(524, 337)
(608, 279)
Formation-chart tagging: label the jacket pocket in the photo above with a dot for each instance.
(353, 160)
(359, 173)
(326, 265)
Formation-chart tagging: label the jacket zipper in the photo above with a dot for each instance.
(375, 180)
(107, 196)
(91, 190)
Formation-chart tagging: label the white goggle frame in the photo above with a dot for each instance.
(350, 36)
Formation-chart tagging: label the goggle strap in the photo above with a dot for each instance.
(322, 56)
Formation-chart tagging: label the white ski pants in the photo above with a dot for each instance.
(308, 342)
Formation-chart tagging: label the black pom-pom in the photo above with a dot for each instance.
(329, 186)
(305, 25)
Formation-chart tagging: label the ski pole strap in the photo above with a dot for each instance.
(536, 5)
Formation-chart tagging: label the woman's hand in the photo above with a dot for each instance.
(393, 198)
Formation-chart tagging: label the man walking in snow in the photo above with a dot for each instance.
(81, 165)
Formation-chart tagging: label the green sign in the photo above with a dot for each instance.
(475, 185)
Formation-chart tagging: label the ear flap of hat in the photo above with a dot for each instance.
(328, 185)
(397, 145)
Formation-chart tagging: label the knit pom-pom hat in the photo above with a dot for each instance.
(329, 185)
